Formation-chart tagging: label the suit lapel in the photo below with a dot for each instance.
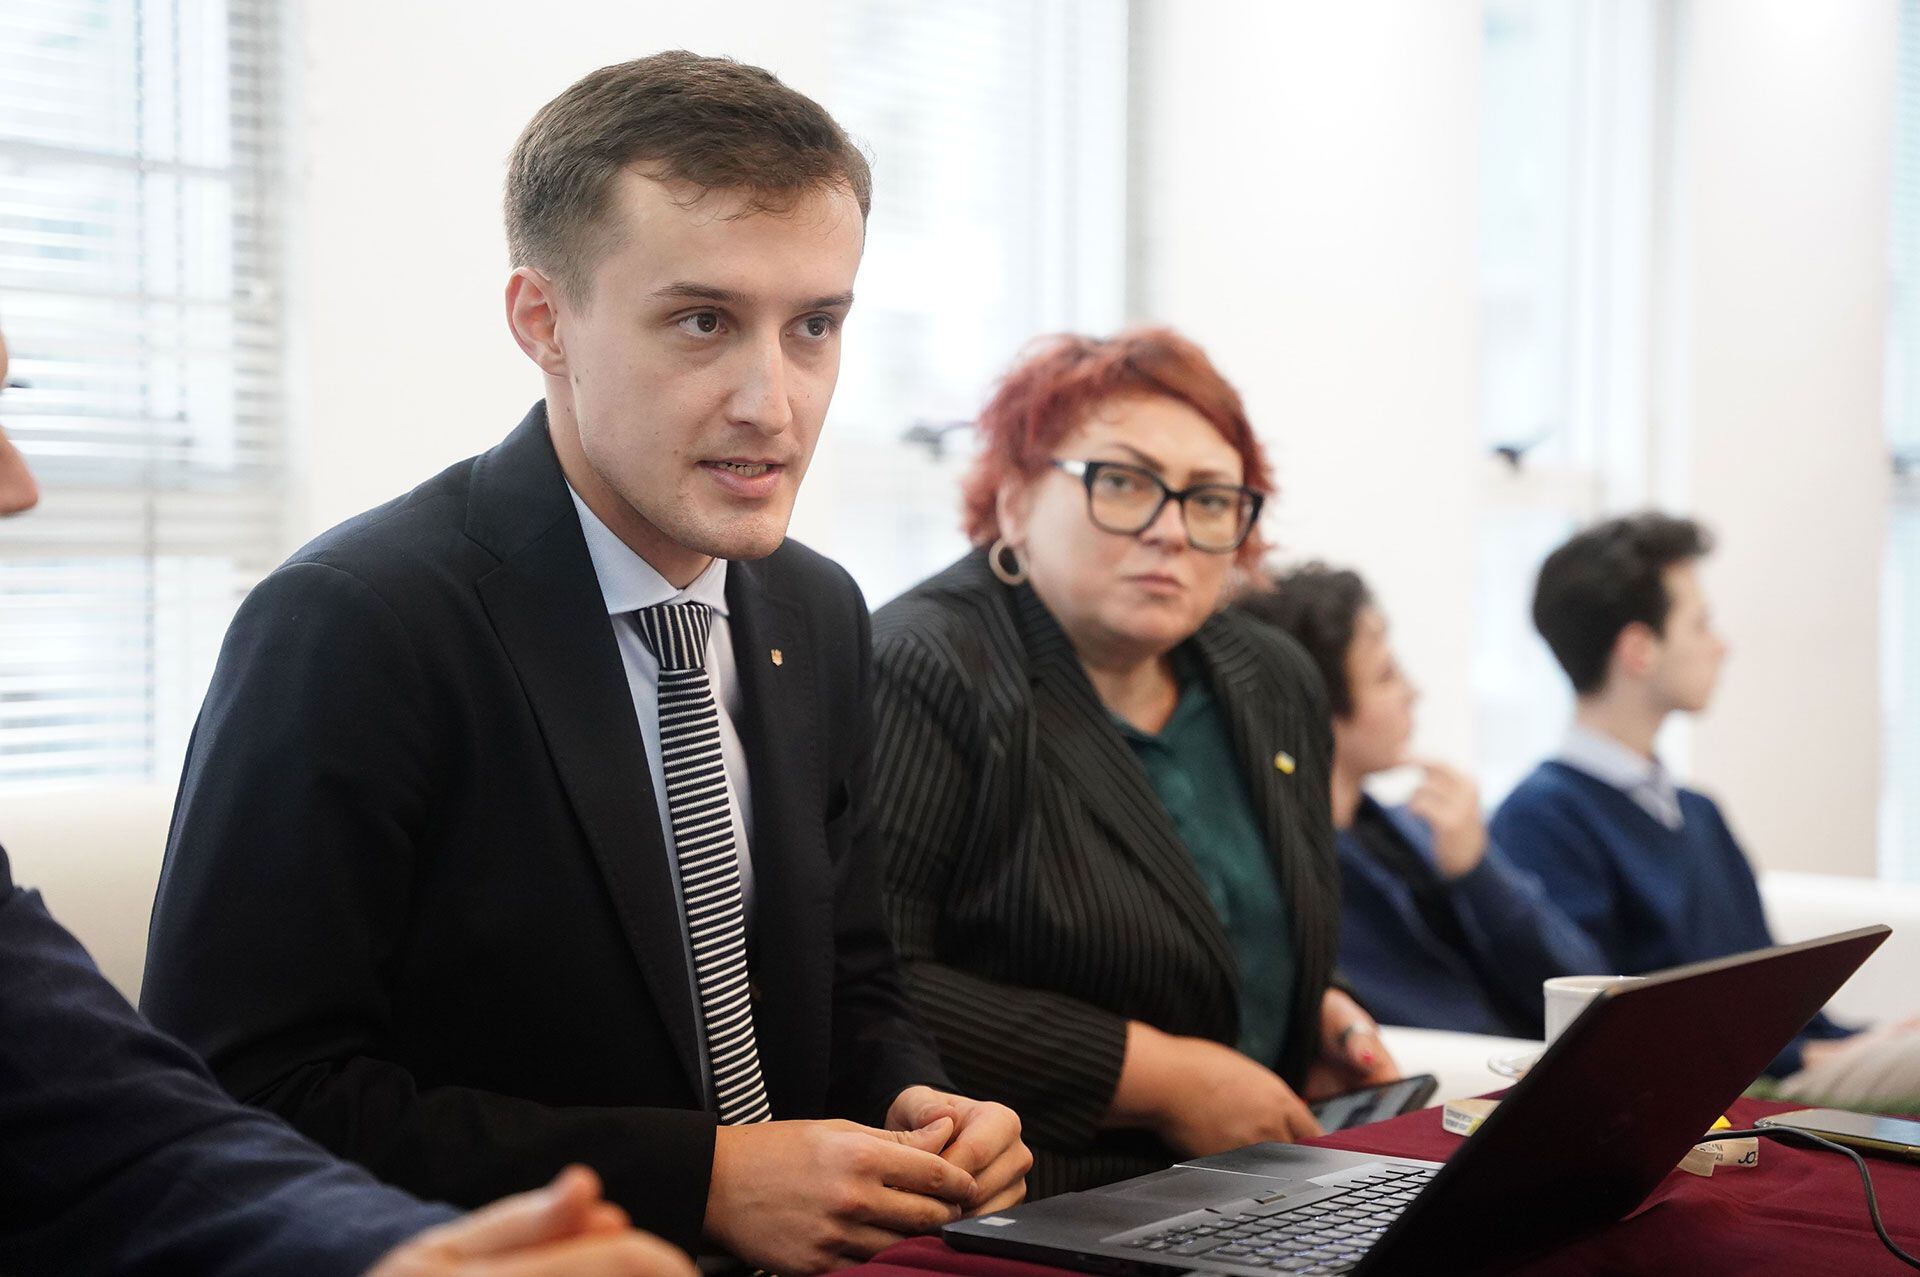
(1081, 743)
(1265, 726)
(546, 607)
(793, 887)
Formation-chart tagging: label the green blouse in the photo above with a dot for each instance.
(1202, 783)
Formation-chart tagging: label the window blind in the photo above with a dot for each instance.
(139, 272)
(1900, 650)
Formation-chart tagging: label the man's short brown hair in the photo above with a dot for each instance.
(712, 123)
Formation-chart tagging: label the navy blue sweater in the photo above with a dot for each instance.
(1406, 973)
(120, 1154)
(1649, 896)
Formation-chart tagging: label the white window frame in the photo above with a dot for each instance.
(1620, 447)
(883, 494)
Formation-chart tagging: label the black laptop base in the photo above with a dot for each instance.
(1596, 1124)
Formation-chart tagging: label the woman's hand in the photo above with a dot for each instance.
(1351, 1053)
(1201, 1097)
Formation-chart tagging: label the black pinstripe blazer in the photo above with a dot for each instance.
(1039, 894)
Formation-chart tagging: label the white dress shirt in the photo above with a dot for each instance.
(1645, 780)
(629, 583)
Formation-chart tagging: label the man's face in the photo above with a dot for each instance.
(698, 372)
(1689, 651)
(18, 492)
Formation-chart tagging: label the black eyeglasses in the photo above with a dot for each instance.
(1127, 499)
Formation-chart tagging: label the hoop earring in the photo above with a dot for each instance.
(1017, 574)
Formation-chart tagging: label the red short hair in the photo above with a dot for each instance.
(1062, 379)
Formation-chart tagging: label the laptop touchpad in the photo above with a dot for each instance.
(1180, 1186)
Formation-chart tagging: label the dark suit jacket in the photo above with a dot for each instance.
(119, 1154)
(1038, 891)
(1406, 974)
(416, 896)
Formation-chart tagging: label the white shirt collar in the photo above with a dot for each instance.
(629, 583)
(1645, 780)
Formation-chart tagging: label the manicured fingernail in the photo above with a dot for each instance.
(1366, 1057)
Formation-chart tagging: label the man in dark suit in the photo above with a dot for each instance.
(526, 820)
(119, 1154)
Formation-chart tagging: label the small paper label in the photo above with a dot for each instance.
(1463, 1117)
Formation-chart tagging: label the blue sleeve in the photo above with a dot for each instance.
(1540, 836)
(119, 1153)
(1521, 934)
(1742, 882)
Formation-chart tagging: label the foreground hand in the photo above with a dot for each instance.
(1202, 1097)
(562, 1230)
(805, 1197)
(1817, 1051)
(1351, 1053)
(1450, 804)
(986, 1142)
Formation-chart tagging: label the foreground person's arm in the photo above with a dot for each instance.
(119, 1154)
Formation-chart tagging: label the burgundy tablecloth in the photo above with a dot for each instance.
(1801, 1211)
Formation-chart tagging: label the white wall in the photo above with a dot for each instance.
(1309, 217)
(1783, 181)
(1311, 222)
(403, 362)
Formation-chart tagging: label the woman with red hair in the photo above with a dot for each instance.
(1110, 866)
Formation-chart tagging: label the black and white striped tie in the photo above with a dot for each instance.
(696, 778)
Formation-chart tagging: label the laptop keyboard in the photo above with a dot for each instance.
(1327, 1236)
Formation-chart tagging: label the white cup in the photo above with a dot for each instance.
(1567, 996)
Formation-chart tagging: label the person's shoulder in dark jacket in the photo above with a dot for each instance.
(953, 640)
(811, 579)
(1293, 672)
(955, 611)
(120, 1154)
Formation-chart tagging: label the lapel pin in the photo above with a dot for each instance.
(1283, 763)
(778, 659)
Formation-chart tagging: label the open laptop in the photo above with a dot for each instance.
(1603, 1116)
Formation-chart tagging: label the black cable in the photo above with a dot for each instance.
(1859, 1162)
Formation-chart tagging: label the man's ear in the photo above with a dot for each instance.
(534, 315)
(1636, 651)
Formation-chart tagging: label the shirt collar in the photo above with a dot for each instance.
(629, 583)
(1190, 679)
(1645, 780)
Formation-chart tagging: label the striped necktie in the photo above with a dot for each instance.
(696, 779)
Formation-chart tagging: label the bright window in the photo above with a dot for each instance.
(1571, 92)
(138, 273)
(997, 131)
(1900, 798)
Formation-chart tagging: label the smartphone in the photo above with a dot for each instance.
(1898, 1137)
(1374, 1103)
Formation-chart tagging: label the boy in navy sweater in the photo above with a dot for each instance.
(1649, 869)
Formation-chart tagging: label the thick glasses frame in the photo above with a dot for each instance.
(1088, 472)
